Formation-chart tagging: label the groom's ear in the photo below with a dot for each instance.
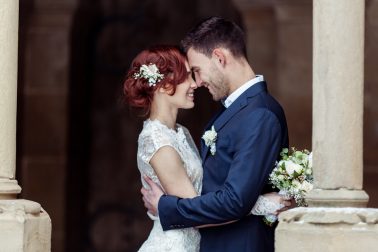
(220, 56)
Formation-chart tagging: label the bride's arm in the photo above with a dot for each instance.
(172, 175)
(169, 168)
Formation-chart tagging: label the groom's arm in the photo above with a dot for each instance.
(255, 153)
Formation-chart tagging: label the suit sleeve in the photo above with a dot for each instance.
(256, 148)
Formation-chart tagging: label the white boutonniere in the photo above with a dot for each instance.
(210, 137)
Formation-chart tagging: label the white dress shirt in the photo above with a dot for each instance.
(234, 95)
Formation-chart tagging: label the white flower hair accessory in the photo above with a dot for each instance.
(149, 72)
(210, 137)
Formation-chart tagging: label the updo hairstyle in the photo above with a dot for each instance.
(171, 63)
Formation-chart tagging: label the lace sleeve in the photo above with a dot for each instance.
(191, 141)
(264, 206)
(150, 143)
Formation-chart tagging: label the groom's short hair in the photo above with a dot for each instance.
(215, 32)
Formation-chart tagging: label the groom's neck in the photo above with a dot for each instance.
(240, 73)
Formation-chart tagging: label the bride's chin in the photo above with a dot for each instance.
(189, 106)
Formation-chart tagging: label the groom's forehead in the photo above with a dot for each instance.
(196, 59)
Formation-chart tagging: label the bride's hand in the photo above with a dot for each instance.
(280, 199)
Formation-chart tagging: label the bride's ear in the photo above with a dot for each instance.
(166, 88)
(161, 90)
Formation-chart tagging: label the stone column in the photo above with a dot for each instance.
(9, 187)
(24, 225)
(338, 70)
(333, 222)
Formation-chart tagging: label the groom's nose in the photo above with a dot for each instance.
(199, 82)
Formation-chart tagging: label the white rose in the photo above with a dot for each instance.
(210, 136)
(292, 167)
(153, 69)
(207, 139)
(296, 184)
(308, 171)
(280, 177)
(306, 186)
(280, 163)
(144, 68)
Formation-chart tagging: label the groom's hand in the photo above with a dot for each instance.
(151, 196)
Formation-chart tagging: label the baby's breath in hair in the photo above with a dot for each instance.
(150, 73)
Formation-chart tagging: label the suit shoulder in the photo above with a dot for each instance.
(265, 102)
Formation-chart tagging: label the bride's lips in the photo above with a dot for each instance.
(190, 95)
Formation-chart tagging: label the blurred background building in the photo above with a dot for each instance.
(77, 140)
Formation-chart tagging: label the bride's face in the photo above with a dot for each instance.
(183, 98)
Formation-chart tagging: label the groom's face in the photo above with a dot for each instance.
(208, 74)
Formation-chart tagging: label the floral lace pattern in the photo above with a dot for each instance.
(154, 136)
(264, 206)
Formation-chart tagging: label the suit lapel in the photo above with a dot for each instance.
(238, 104)
(242, 101)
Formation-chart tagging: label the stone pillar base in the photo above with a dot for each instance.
(337, 198)
(24, 226)
(327, 229)
(9, 188)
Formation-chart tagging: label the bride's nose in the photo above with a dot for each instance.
(193, 84)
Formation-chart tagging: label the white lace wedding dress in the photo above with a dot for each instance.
(154, 136)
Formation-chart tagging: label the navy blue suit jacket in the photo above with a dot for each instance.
(251, 134)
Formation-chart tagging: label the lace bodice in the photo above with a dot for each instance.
(154, 136)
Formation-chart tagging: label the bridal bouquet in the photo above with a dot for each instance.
(292, 175)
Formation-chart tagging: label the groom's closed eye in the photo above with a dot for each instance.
(193, 75)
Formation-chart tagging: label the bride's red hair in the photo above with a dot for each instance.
(169, 60)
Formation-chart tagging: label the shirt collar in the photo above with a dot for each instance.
(234, 95)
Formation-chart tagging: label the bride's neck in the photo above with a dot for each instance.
(164, 114)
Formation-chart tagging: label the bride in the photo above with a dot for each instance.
(160, 82)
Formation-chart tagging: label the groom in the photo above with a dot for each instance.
(250, 133)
